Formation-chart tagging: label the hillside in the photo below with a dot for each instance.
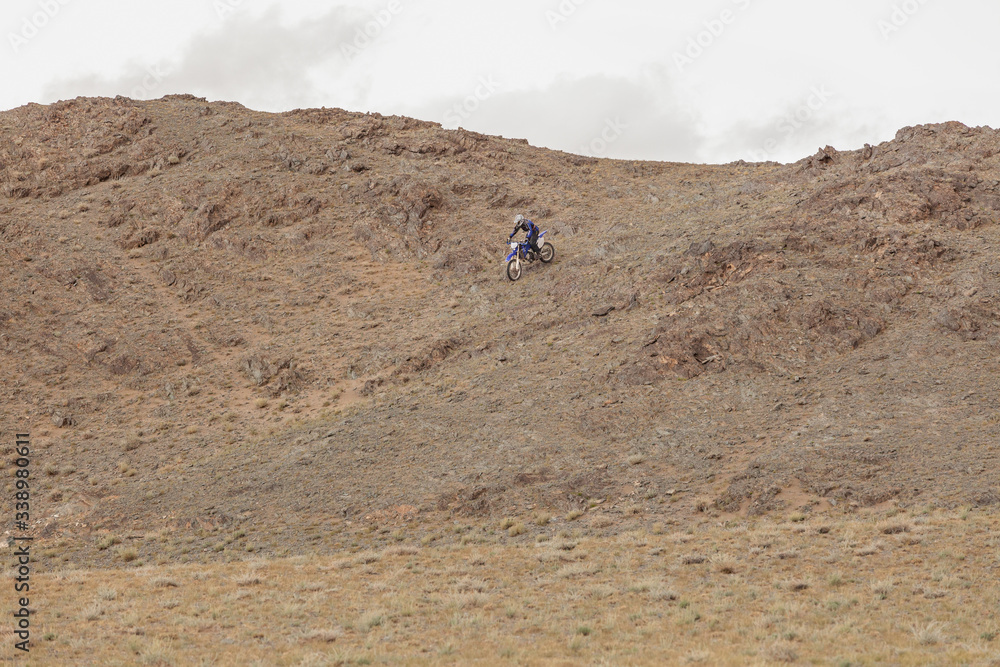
(297, 326)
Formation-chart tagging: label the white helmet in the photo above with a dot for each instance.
(518, 219)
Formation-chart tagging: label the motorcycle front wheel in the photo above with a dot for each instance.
(513, 269)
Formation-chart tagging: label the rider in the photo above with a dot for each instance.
(521, 223)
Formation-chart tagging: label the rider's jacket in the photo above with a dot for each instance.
(527, 226)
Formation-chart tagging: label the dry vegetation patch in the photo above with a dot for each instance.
(590, 598)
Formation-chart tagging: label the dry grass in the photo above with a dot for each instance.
(580, 598)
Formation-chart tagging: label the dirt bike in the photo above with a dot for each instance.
(521, 253)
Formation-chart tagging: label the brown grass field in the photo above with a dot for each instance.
(883, 587)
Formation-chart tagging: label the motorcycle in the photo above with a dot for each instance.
(521, 253)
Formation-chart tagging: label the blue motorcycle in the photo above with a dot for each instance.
(521, 253)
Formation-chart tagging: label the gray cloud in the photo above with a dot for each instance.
(596, 115)
(251, 59)
(796, 131)
(256, 59)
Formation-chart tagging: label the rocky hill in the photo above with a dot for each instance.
(214, 317)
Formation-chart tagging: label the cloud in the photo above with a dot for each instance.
(253, 59)
(599, 115)
(794, 131)
(561, 92)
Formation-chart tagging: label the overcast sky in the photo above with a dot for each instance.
(711, 81)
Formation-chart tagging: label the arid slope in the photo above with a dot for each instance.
(217, 317)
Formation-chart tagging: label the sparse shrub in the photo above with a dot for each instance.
(697, 657)
(724, 563)
(690, 616)
(343, 564)
(577, 570)
(367, 558)
(107, 541)
(402, 551)
(782, 653)
(127, 554)
(869, 549)
(881, 589)
(471, 585)
(516, 529)
(248, 579)
(164, 582)
(893, 527)
(662, 594)
(156, 654)
(372, 620)
(327, 636)
(928, 635)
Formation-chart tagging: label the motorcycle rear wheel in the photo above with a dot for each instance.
(548, 253)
